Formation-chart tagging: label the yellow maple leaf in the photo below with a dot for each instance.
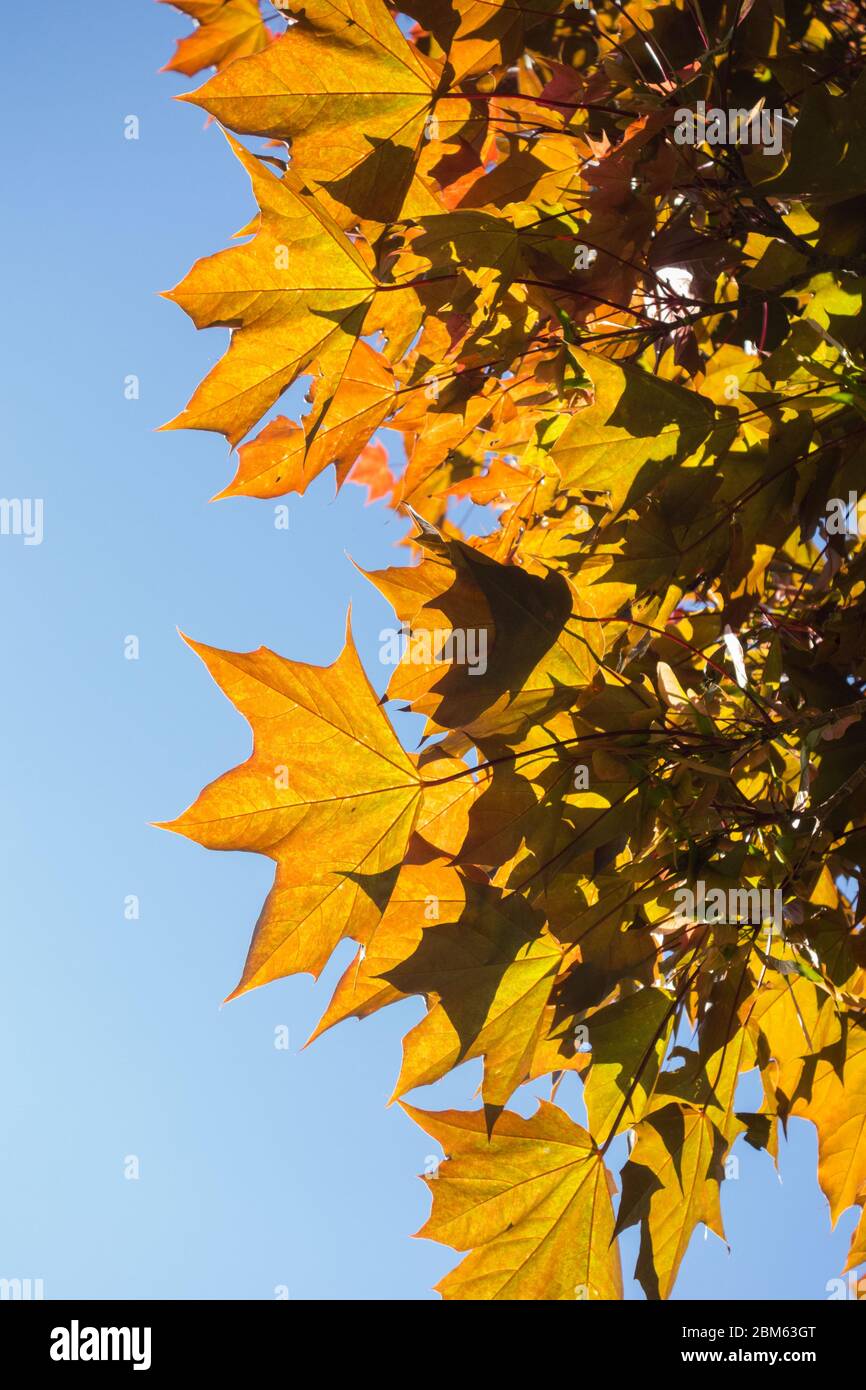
(857, 1251)
(628, 1040)
(526, 646)
(422, 893)
(487, 974)
(286, 457)
(298, 290)
(346, 90)
(532, 1202)
(328, 793)
(835, 1086)
(635, 428)
(670, 1183)
(227, 29)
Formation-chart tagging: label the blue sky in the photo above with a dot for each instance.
(258, 1168)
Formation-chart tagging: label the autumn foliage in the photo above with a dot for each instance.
(481, 231)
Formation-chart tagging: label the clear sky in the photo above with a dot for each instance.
(257, 1167)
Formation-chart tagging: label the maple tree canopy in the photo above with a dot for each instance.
(599, 271)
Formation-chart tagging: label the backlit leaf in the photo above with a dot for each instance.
(532, 1203)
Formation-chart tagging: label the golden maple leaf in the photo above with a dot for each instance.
(227, 29)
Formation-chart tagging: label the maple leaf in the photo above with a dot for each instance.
(298, 291)
(835, 1085)
(479, 35)
(286, 457)
(487, 976)
(827, 156)
(670, 1183)
(227, 29)
(532, 1203)
(327, 793)
(528, 630)
(346, 90)
(626, 369)
(364, 986)
(372, 470)
(857, 1252)
(635, 428)
(628, 1041)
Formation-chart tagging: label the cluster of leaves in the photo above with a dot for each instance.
(646, 359)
